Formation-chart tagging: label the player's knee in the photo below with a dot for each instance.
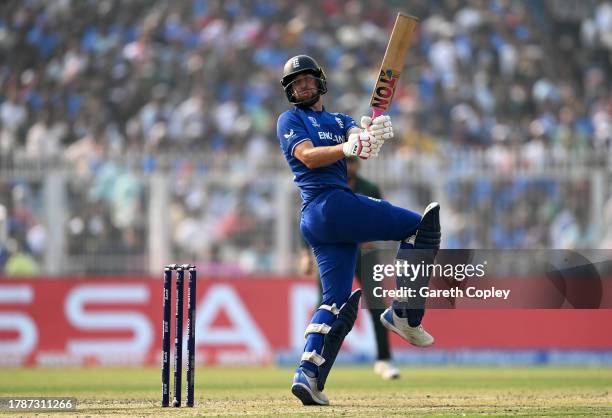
(337, 300)
(428, 233)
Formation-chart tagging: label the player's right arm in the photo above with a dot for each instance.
(357, 145)
(295, 142)
(315, 157)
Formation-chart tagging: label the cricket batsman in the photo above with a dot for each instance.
(336, 220)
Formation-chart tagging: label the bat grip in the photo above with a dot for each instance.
(376, 113)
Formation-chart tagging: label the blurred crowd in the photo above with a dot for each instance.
(520, 214)
(523, 84)
(88, 78)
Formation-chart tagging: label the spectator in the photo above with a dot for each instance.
(20, 262)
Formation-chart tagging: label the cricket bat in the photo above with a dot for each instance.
(392, 63)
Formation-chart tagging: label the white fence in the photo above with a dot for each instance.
(134, 215)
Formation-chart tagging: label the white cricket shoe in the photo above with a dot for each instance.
(416, 336)
(305, 389)
(386, 370)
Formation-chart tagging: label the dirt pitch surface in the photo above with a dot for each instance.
(353, 391)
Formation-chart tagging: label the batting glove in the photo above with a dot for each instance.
(358, 145)
(380, 129)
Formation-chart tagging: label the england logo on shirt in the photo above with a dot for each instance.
(314, 122)
(290, 135)
(340, 122)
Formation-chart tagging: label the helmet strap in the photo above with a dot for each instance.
(309, 102)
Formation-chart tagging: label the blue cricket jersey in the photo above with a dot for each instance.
(322, 129)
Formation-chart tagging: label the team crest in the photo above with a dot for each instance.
(340, 122)
(314, 122)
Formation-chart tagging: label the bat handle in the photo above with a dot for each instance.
(376, 113)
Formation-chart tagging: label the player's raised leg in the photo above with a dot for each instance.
(405, 317)
(370, 219)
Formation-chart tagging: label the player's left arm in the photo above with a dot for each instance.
(353, 129)
(380, 129)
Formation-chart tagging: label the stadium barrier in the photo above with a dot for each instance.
(260, 320)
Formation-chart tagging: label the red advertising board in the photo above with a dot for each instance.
(114, 320)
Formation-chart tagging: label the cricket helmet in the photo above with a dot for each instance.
(301, 64)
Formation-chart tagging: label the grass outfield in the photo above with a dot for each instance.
(439, 391)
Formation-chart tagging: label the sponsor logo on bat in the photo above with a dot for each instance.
(385, 89)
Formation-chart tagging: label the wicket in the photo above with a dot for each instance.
(178, 340)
